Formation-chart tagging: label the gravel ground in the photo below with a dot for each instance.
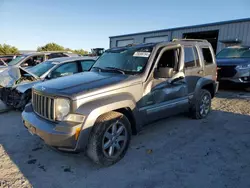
(175, 152)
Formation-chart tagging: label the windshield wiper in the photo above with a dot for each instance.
(99, 68)
(115, 69)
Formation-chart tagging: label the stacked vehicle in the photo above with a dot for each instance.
(5, 59)
(18, 92)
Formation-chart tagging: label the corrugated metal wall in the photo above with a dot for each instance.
(137, 38)
(240, 30)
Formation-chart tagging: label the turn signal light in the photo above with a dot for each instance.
(78, 130)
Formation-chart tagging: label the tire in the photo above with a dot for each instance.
(25, 99)
(104, 134)
(198, 111)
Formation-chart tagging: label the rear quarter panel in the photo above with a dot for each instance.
(210, 70)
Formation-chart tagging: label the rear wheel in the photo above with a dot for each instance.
(109, 139)
(202, 105)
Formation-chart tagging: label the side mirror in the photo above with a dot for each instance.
(49, 76)
(164, 72)
(176, 77)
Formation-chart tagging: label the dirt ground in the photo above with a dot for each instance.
(175, 152)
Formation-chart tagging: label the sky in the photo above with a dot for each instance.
(81, 24)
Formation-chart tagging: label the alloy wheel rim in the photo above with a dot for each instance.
(205, 105)
(114, 140)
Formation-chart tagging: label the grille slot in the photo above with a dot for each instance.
(44, 106)
(226, 71)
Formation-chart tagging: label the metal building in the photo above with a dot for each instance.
(219, 34)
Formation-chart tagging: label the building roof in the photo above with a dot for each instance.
(186, 27)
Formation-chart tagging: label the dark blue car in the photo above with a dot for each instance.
(234, 65)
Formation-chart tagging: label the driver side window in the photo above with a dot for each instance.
(65, 70)
(167, 64)
(169, 59)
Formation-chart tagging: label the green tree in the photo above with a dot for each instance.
(56, 47)
(6, 49)
(51, 47)
(80, 51)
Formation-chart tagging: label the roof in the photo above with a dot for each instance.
(26, 51)
(142, 45)
(65, 59)
(8, 56)
(46, 52)
(186, 27)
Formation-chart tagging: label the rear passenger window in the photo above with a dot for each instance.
(208, 59)
(189, 59)
(87, 64)
(65, 69)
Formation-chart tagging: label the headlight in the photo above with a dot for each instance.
(62, 108)
(246, 66)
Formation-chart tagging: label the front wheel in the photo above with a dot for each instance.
(202, 105)
(110, 138)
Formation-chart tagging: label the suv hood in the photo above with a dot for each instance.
(81, 83)
(232, 61)
(11, 75)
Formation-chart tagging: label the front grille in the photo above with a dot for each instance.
(44, 105)
(226, 71)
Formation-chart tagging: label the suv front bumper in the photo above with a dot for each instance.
(241, 76)
(61, 135)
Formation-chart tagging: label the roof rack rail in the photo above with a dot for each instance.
(195, 40)
(132, 44)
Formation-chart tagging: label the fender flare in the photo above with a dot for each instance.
(96, 108)
(200, 84)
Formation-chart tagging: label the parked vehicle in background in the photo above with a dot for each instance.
(97, 51)
(234, 65)
(5, 59)
(11, 73)
(20, 94)
(127, 88)
(31, 59)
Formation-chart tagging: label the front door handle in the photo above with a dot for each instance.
(200, 72)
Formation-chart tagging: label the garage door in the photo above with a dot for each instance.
(156, 39)
(121, 43)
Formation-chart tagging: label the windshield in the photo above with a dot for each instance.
(129, 60)
(16, 60)
(42, 68)
(234, 53)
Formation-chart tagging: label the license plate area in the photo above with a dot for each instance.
(31, 129)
